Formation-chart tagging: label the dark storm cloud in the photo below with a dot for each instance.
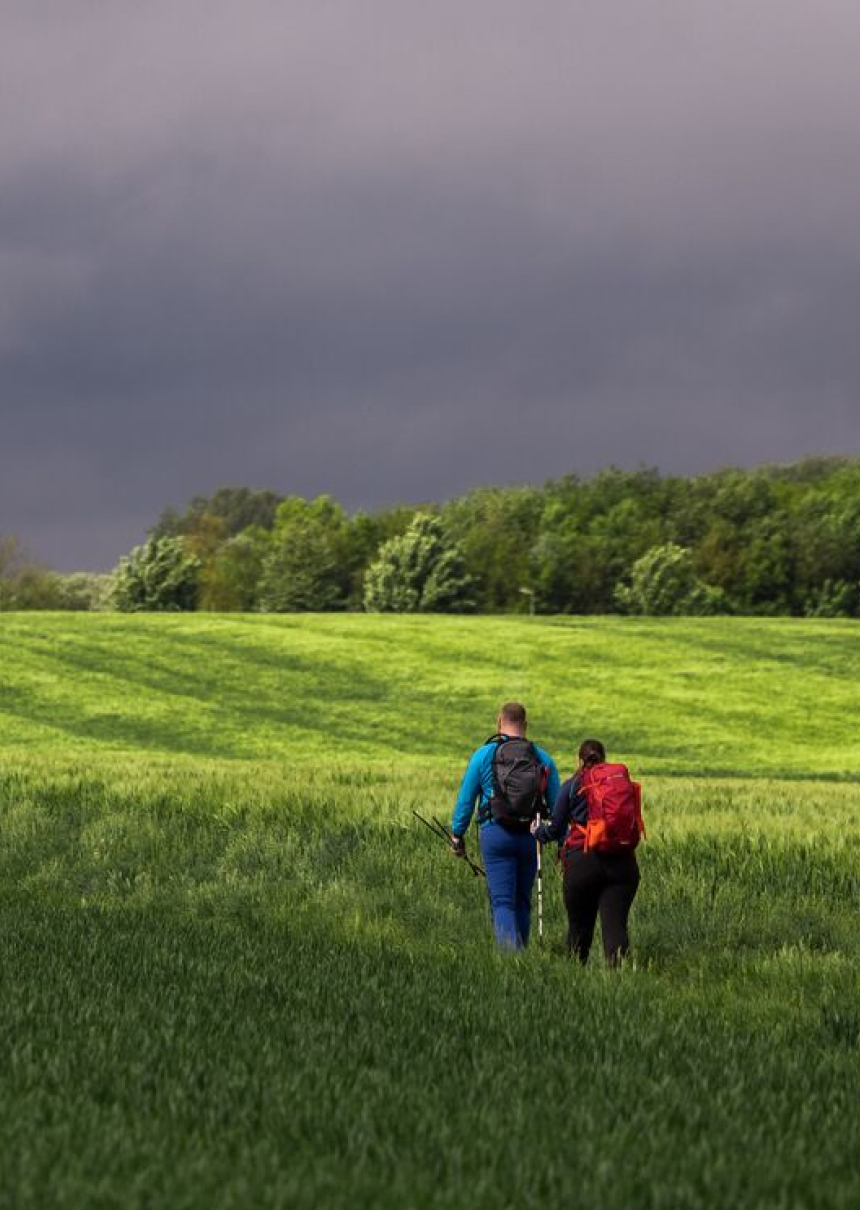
(393, 251)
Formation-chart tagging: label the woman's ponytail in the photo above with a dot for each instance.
(592, 752)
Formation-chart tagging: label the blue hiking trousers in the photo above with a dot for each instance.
(510, 860)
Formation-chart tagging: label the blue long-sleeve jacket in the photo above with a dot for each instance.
(477, 784)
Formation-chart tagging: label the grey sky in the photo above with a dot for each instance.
(393, 250)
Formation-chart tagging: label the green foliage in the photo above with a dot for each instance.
(769, 541)
(303, 567)
(231, 575)
(423, 571)
(590, 534)
(236, 508)
(222, 987)
(225, 531)
(82, 591)
(160, 576)
(367, 533)
(31, 588)
(495, 530)
(23, 583)
(827, 539)
(834, 599)
(664, 582)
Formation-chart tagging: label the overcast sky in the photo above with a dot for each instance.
(392, 250)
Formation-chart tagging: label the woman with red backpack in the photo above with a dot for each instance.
(597, 814)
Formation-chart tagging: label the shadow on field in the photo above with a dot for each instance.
(216, 693)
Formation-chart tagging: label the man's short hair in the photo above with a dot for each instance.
(514, 713)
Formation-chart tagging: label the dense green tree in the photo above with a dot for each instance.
(206, 541)
(717, 555)
(497, 530)
(366, 534)
(826, 535)
(161, 575)
(590, 535)
(230, 578)
(422, 571)
(765, 567)
(237, 508)
(306, 565)
(563, 579)
(663, 581)
(209, 524)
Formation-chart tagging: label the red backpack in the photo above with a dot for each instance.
(614, 809)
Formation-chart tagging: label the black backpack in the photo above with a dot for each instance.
(519, 782)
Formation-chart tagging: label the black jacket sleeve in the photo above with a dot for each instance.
(562, 812)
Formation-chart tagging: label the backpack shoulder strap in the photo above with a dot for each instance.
(498, 739)
(574, 827)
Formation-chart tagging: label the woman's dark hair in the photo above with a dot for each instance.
(592, 752)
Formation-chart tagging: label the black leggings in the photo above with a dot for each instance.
(599, 882)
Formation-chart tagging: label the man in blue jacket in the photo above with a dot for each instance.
(511, 780)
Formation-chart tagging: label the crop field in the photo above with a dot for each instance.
(234, 972)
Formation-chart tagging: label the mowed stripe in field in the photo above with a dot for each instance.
(721, 696)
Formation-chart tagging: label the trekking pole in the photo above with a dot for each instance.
(473, 865)
(442, 832)
(540, 885)
(439, 829)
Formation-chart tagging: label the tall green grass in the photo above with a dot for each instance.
(234, 972)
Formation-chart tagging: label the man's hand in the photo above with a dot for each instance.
(458, 846)
(534, 827)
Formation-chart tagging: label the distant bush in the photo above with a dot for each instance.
(664, 582)
(23, 583)
(82, 591)
(834, 599)
(161, 575)
(422, 571)
(26, 585)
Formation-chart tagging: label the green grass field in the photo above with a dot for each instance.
(235, 973)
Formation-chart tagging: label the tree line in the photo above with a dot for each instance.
(776, 540)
